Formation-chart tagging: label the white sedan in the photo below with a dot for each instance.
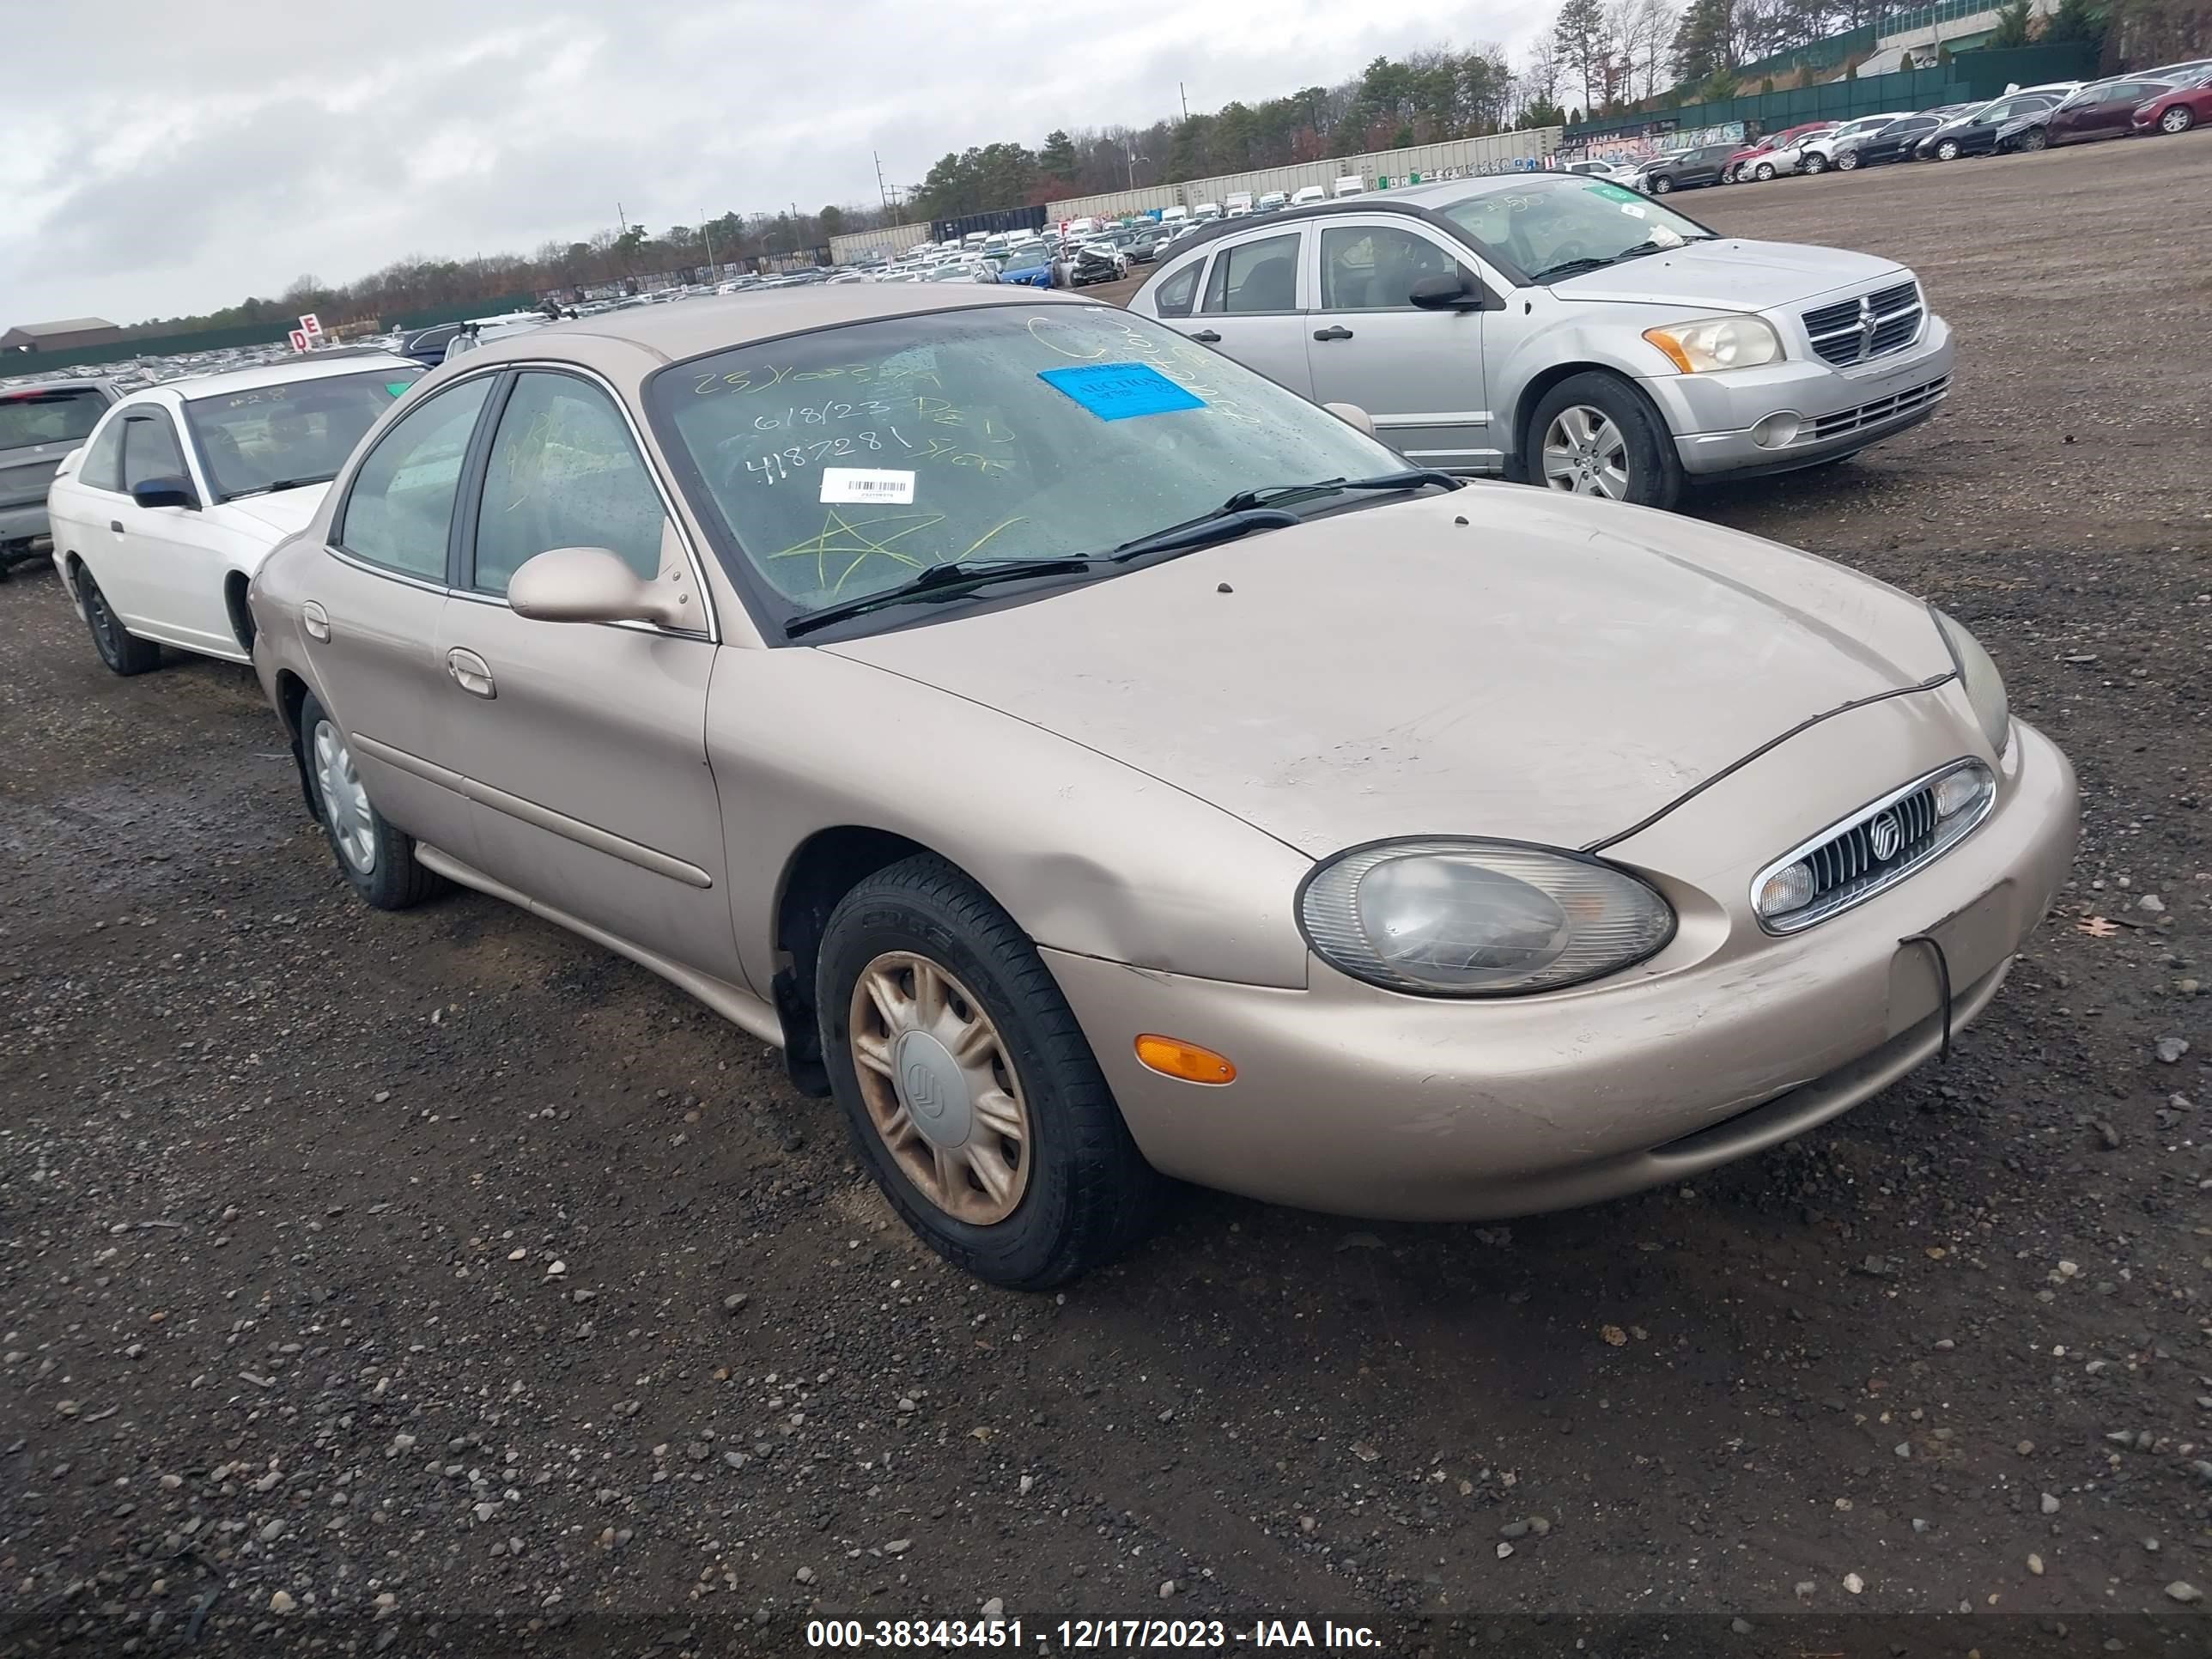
(163, 516)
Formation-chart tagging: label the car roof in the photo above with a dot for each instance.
(673, 333)
(194, 387)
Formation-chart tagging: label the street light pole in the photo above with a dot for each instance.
(1134, 159)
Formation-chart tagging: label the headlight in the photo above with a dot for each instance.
(1984, 685)
(1714, 343)
(1451, 917)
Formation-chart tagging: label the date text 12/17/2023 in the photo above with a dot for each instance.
(1083, 1635)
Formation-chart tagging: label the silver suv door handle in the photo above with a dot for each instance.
(471, 672)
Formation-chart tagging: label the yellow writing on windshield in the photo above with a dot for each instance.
(842, 546)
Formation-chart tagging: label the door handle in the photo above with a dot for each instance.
(116, 524)
(316, 621)
(1335, 331)
(471, 672)
(1208, 335)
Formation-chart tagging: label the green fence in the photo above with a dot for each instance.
(1970, 75)
(152, 345)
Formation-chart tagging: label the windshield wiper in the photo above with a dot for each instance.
(1277, 494)
(281, 483)
(1576, 267)
(946, 579)
(1219, 526)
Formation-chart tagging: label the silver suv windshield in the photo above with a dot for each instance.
(1550, 226)
(847, 462)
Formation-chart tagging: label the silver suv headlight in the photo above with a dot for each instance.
(1447, 916)
(1741, 341)
(1984, 686)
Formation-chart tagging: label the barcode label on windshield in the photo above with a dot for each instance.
(860, 484)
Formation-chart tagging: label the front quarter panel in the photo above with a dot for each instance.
(1087, 855)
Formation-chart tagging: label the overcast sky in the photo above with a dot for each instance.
(163, 160)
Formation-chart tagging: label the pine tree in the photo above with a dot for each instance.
(1702, 41)
(1058, 155)
(2014, 24)
(1584, 43)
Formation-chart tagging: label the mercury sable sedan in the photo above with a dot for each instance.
(1567, 332)
(1091, 764)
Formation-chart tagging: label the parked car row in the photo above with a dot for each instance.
(609, 623)
(2169, 100)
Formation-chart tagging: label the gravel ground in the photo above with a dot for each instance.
(439, 1283)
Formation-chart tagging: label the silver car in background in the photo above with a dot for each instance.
(1566, 331)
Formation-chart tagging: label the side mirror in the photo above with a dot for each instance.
(165, 492)
(593, 585)
(1445, 294)
(1353, 415)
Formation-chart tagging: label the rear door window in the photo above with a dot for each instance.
(1254, 276)
(398, 512)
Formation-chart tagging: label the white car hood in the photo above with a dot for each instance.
(1729, 274)
(270, 519)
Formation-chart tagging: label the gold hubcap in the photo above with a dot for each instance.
(939, 1088)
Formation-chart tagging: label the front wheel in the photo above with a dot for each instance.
(1661, 186)
(1947, 150)
(124, 652)
(376, 858)
(2179, 119)
(1848, 162)
(1765, 173)
(1594, 434)
(2033, 139)
(1814, 162)
(972, 1095)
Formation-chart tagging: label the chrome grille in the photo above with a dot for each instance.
(1876, 847)
(1873, 326)
(1880, 410)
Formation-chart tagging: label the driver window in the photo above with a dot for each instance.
(1374, 267)
(562, 472)
(149, 449)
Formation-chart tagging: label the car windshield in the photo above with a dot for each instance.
(297, 432)
(1545, 222)
(846, 462)
(49, 415)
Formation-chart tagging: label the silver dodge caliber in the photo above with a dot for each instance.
(1567, 331)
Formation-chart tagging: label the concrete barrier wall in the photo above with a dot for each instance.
(1502, 152)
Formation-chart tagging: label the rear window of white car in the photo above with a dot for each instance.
(297, 432)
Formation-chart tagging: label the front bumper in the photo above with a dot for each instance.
(1359, 1101)
(1837, 410)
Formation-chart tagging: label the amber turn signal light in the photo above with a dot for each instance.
(1172, 1057)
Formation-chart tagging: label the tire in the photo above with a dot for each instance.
(1947, 150)
(1814, 162)
(1848, 162)
(1661, 186)
(1554, 448)
(124, 652)
(2035, 138)
(1075, 1192)
(2179, 119)
(1764, 172)
(376, 857)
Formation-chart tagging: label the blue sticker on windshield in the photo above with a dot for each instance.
(1114, 391)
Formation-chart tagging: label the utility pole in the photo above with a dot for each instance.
(1134, 159)
(622, 223)
(882, 190)
(706, 229)
(1185, 96)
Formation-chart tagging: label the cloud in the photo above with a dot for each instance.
(235, 147)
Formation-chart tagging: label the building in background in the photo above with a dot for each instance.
(64, 336)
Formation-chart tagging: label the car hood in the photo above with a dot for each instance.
(1499, 661)
(1728, 274)
(284, 514)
